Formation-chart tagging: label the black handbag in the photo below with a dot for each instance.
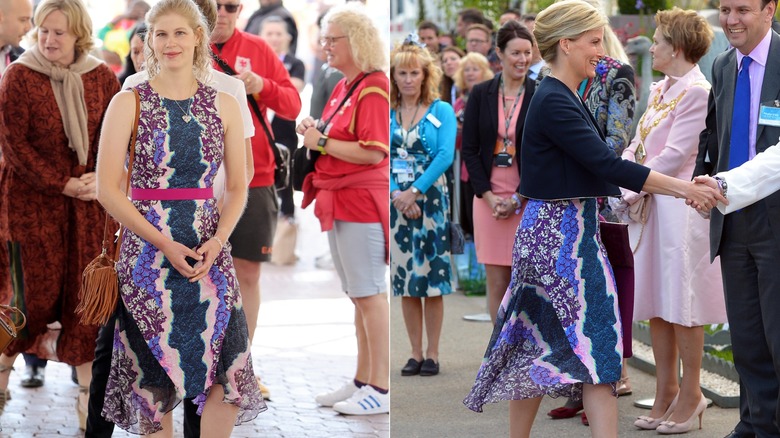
(280, 151)
(303, 157)
(302, 165)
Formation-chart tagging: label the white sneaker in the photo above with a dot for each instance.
(328, 399)
(366, 401)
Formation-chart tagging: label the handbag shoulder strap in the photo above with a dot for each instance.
(131, 147)
(346, 97)
(255, 107)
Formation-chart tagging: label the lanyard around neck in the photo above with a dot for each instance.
(508, 117)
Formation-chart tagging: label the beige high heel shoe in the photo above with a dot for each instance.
(5, 394)
(670, 427)
(650, 423)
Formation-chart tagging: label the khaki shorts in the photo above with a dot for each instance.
(358, 252)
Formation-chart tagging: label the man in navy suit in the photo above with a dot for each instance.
(748, 241)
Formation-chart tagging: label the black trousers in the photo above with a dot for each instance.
(751, 281)
(99, 427)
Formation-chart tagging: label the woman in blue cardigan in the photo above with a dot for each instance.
(422, 130)
(558, 330)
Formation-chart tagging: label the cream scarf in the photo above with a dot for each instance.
(69, 93)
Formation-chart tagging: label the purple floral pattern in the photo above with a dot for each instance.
(179, 337)
(558, 324)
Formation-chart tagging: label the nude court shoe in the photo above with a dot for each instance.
(670, 427)
(650, 423)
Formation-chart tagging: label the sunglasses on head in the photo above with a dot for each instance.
(228, 7)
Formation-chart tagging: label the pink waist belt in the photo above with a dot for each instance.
(171, 194)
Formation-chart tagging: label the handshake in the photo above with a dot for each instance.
(703, 193)
(719, 188)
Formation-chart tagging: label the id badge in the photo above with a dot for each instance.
(401, 166)
(403, 170)
(769, 114)
(502, 159)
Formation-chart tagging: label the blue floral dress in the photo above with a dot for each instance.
(420, 248)
(174, 339)
(557, 327)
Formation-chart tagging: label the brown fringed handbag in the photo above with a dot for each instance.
(8, 328)
(99, 283)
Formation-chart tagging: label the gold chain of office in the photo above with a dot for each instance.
(644, 128)
(665, 108)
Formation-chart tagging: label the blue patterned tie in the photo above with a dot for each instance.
(740, 120)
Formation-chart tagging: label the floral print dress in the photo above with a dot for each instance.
(420, 249)
(174, 339)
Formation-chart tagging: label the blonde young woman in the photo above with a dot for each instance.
(558, 330)
(181, 328)
(610, 97)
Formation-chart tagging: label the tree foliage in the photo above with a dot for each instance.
(492, 9)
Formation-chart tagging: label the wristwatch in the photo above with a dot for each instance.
(415, 190)
(321, 144)
(724, 188)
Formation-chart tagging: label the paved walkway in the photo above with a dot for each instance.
(304, 344)
(432, 406)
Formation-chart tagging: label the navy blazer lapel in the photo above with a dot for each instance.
(530, 87)
(771, 82)
(492, 100)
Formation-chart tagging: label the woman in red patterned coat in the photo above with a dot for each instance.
(52, 102)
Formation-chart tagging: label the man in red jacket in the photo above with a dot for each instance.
(268, 82)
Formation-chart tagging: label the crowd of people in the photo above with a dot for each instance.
(197, 200)
(562, 308)
(524, 128)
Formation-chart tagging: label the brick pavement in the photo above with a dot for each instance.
(304, 344)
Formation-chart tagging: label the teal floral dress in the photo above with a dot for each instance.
(420, 249)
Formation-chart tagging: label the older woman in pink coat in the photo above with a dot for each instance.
(677, 288)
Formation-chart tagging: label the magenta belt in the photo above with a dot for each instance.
(171, 194)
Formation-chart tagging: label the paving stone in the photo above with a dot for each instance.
(304, 345)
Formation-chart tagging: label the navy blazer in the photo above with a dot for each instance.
(565, 155)
(480, 130)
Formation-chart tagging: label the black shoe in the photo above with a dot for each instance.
(33, 377)
(412, 368)
(429, 368)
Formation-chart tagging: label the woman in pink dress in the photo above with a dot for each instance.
(492, 132)
(676, 287)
